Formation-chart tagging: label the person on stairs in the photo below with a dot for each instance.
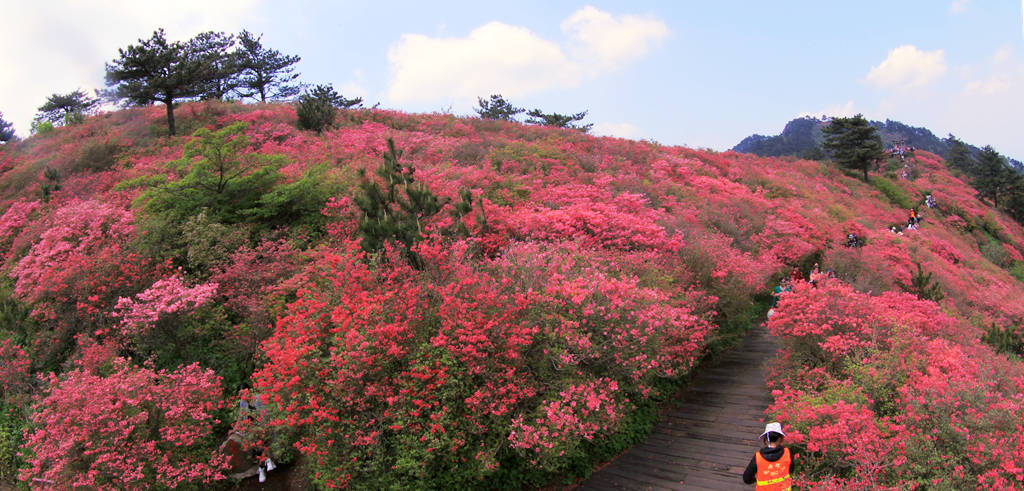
(771, 466)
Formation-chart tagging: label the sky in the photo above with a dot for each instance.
(703, 74)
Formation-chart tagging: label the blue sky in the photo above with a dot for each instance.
(702, 74)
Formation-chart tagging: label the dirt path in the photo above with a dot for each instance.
(707, 438)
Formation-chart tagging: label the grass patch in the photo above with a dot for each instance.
(893, 192)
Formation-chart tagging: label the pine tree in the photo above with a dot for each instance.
(959, 155)
(66, 108)
(921, 284)
(853, 143)
(497, 108)
(265, 73)
(156, 70)
(559, 120)
(994, 175)
(316, 108)
(6, 130)
(396, 208)
(211, 48)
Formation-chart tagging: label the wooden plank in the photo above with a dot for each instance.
(708, 433)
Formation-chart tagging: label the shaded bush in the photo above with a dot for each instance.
(96, 157)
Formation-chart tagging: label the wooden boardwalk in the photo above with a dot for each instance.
(706, 438)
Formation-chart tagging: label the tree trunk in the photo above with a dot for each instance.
(170, 115)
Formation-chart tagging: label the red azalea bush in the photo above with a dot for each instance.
(134, 428)
(395, 376)
(889, 391)
(593, 271)
(14, 369)
(164, 297)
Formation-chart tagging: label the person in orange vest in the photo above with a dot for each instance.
(770, 467)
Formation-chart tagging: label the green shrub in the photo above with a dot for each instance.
(893, 192)
(298, 205)
(1004, 339)
(96, 157)
(317, 108)
(12, 424)
(1017, 270)
(993, 251)
(42, 127)
(216, 179)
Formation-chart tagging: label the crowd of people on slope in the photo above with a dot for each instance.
(900, 150)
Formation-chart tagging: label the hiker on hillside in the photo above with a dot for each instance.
(930, 201)
(852, 240)
(780, 289)
(795, 275)
(771, 466)
(815, 276)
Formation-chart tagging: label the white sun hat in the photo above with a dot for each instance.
(772, 428)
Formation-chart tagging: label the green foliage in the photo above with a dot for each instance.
(264, 73)
(993, 251)
(397, 210)
(97, 156)
(921, 284)
(66, 108)
(42, 127)
(1004, 339)
(13, 422)
(15, 316)
(141, 182)
(959, 155)
(211, 49)
(317, 108)
(155, 70)
(893, 192)
(801, 137)
(815, 153)
(297, 205)
(6, 130)
(209, 244)
(994, 177)
(209, 336)
(1017, 270)
(497, 108)
(853, 143)
(559, 120)
(217, 179)
(51, 183)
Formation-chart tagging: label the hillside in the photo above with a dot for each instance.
(486, 304)
(801, 136)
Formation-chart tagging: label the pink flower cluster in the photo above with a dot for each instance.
(132, 429)
(165, 297)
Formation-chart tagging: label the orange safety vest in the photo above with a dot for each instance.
(774, 476)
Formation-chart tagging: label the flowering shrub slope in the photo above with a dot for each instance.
(590, 275)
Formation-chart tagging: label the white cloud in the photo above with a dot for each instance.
(907, 67)
(1000, 74)
(495, 57)
(514, 61)
(834, 110)
(984, 107)
(355, 86)
(610, 42)
(959, 6)
(61, 45)
(619, 130)
(989, 86)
